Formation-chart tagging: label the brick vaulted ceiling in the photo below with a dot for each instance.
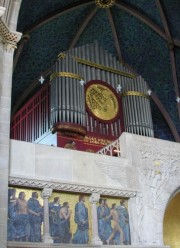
(143, 34)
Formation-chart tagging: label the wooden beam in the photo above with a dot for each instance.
(44, 20)
(177, 42)
(171, 49)
(164, 21)
(166, 116)
(56, 13)
(82, 27)
(141, 17)
(174, 77)
(23, 41)
(116, 40)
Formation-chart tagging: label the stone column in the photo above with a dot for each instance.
(94, 198)
(8, 41)
(12, 11)
(46, 193)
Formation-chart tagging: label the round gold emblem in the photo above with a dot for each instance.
(102, 102)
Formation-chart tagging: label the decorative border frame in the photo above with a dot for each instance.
(70, 187)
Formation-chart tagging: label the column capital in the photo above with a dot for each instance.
(8, 38)
(94, 198)
(46, 193)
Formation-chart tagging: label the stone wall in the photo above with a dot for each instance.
(148, 173)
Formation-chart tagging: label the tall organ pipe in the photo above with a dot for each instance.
(136, 108)
(67, 94)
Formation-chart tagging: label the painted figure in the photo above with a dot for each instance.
(22, 220)
(64, 223)
(54, 209)
(117, 230)
(35, 217)
(12, 215)
(124, 222)
(104, 220)
(108, 217)
(81, 218)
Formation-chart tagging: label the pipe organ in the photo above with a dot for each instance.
(93, 99)
(85, 100)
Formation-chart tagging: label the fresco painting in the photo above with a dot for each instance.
(113, 221)
(70, 218)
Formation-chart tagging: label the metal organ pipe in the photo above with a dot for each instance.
(67, 94)
(136, 107)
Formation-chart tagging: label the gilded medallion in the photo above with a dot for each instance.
(102, 102)
(105, 3)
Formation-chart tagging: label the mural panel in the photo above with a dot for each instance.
(113, 221)
(70, 218)
(25, 215)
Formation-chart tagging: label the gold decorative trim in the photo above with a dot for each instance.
(65, 74)
(105, 3)
(135, 93)
(61, 56)
(103, 67)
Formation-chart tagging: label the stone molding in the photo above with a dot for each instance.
(42, 245)
(8, 38)
(70, 187)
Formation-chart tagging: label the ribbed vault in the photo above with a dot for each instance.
(143, 35)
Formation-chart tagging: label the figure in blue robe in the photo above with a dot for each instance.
(124, 222)
(35, 218)
(104, 221)
(22, 220)
(54, 210)
(12, 215)
(108, 218)
(81, 218)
